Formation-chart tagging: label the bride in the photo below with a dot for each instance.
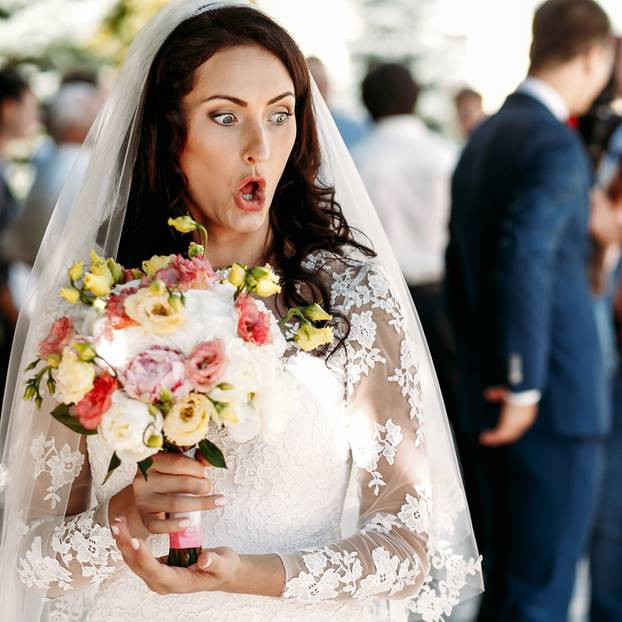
(214, 115)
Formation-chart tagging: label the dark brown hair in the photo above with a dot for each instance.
(304, 215)
(563, 29)
(389, 89)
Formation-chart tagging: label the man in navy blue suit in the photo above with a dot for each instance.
(532, 387)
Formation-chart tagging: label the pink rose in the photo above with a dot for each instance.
(205, 363)
(59, 336)
(96, 402)
(153, 370)
(253, 325)
(115, 309)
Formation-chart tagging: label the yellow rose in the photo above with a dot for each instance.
(308, 337)
(74, 378)
(237, 275)
(188, 421)
(100, 285)
(157, 262)
(154, 312)
(267, 282)
(75, 272)
(70, 294)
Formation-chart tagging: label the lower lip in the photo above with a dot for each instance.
(256, 205)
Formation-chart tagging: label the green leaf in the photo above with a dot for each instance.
(144, 465)
(212, 454)
(61, 413)
(32, 365)
(114, 463)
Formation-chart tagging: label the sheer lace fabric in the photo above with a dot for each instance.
(361, 416)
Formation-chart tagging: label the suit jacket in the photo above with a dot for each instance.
(516, 269)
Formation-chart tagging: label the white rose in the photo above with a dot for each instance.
(245, 423)
(74, 378)
(130, 429)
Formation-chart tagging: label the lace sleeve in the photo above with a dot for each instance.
(397, 542)
(59, 553)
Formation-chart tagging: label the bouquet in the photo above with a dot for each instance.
(155, 358)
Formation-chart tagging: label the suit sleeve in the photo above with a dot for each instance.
(548, 197)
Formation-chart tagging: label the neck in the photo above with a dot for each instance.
(226, 247)
(563, 80)
(4, 142)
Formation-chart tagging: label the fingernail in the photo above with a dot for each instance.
(207, 472)
(115, 530)
(220, 501)
(184, 523)
(135, 544)
(207, 563)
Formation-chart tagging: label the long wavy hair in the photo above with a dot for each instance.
(304, 215)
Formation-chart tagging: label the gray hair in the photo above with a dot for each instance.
(74, 106)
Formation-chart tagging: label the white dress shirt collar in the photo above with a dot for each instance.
(546, 95)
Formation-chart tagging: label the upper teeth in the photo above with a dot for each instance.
(247, 197)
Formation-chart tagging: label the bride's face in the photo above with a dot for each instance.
(241, 129)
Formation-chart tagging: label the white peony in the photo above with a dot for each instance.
(127, 426)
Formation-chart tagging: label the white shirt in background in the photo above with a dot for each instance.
(407, 170)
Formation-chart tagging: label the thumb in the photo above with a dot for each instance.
(208, 561)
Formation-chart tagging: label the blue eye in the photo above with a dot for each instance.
(224, 118)
(280, 118)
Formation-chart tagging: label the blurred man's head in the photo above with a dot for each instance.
(318, 72)
(388, 90)
(72, 112)
(19, 109)
(469, 109)
(572, 45)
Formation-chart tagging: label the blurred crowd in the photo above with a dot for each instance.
(510, 244)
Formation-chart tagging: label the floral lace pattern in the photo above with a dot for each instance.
(78, 539)
(63, 466)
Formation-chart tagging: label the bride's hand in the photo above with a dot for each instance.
(169, 479)
(216, 570)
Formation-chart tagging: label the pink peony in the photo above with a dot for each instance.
(253, 325)
(59, 336)
(96, 402)
(205, 363)
(115, 309)
(153, 370)
(169, 275)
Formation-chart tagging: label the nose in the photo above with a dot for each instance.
(257, 148)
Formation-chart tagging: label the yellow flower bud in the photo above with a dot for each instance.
(308, 337)
(237, 275)
(195, 250)
(315, 313)
(70, 294)
(85, 351)
(116, 270)
(183, 224)
(155, 441)
(100, 285)
(157, 287)
(227, 414)
(157, 262)
(266, 287)
(75, 272)
(176, 302)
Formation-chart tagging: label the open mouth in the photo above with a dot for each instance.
(251, 195)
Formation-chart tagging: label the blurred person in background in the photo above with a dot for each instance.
(406, 169)
(606, 227)
(528, 352)
(469, 110)
(18, 119)
(351, 129)
(70, 114)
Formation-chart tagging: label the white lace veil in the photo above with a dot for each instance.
(95, 197)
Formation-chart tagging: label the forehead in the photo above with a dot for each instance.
(246, 72)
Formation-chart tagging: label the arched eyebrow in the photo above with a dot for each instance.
(243, 104)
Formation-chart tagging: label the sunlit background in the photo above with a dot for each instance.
(449, 43)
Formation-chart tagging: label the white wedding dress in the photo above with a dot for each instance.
(358, 420)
